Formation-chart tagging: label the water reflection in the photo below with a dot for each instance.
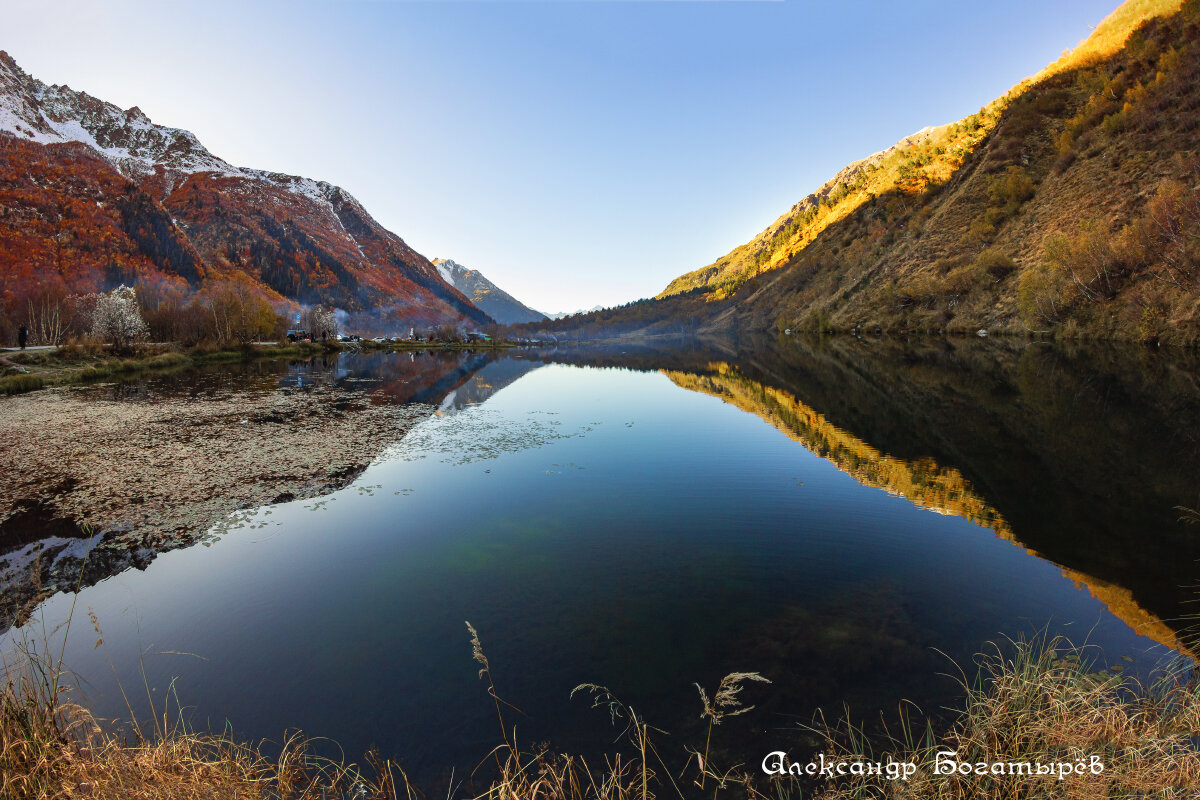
(1082, 455)
(632, 526)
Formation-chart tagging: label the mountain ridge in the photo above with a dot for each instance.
(767, 241)
(185, 217)
(499, 304)
(1070, 206)
(871, 176)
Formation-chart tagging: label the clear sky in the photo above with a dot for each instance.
(578, 153)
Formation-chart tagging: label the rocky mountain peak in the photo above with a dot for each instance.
(127, 139)
(192, 215)
(502, 306)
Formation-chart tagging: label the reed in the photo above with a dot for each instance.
(18, 384)
(52, 748)
(1045, 702)
(1042, 701)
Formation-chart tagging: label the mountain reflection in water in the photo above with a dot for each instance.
(596, 522)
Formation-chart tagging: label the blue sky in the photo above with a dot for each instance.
(578, 153)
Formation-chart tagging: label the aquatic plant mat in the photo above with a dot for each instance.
(90, 473)
(1037, 703)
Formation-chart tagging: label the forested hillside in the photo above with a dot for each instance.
(93, 196)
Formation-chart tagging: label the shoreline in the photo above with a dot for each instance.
(1038, 720)
(31, 370)
(101, 483)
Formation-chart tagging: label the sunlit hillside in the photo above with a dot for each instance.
(1079, 214)
(927, 158)
(1110, 35)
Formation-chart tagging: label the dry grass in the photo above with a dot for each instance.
(1042, 703)
(52, 749)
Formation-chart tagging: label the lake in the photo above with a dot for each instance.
(847, 518)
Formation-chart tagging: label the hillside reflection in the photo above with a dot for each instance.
(1080, 455)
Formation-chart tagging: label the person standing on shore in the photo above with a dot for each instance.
(22, 336)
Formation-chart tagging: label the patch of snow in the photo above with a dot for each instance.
(445, 269)
(130, 141)
(14, 123)
(54, 115)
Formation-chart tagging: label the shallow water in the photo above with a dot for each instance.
(844, 519)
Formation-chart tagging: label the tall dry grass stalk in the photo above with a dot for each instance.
(724, 703)
(485, 672)
(53, 749)
(1039, 701)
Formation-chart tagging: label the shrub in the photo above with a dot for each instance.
(1088, 259)
(169, 360)
(1010, 190)
(114, 316)
(77, 349)
(964, 280)
(17, 384)
(1115, 122)
(995, 263)
(981, 229)
(1051, 102)
(1041, 297)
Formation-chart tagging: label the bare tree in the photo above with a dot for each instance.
(47, 322)
(319, 323)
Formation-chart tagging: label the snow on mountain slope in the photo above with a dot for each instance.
(502, 306)
(128, 140)
(302, 239)
(565, 314)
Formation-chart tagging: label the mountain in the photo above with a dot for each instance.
(565, 314)
(92, 195)
(800, 224)
(1070, 205)
(499, 304)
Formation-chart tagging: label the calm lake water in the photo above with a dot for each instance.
(843, 518)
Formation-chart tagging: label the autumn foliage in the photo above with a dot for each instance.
(209, 253)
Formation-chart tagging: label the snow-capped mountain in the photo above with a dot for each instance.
(502, 306)
(128, 140)
(565, 314)
(140, 201)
